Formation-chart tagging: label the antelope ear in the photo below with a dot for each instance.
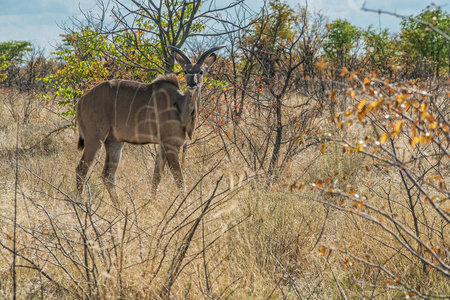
(209, 61)
(180, 60)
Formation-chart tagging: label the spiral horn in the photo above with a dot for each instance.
(202, 58)
(182, 54)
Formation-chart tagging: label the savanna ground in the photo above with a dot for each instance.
(334, 225)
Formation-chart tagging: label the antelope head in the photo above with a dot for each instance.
(194, 73)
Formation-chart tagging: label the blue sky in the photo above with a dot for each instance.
(39, 21)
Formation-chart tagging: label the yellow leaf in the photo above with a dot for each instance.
(433, 125)
(414, 141)
(362, 114)
(351, 76)
(373, 104)
(422, 140)
(333, 95)
(384, 138)
(366, 82)
(407, 105)
(423, 107)
(322, 149)
(352, 94)
(361, 104)
(322, 250)
(397, 128)
(424, 115)
(400, 98)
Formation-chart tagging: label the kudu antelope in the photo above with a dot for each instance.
(119, 111)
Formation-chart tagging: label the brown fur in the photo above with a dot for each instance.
(170, 78)
(119, 111)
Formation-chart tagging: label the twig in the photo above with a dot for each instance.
(341, 290)
(57, 130)
(16, 186)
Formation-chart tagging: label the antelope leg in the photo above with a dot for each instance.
(90, 150)
(113, 153)
(175, 167)
(160, 163)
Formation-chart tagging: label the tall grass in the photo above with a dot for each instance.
(231, 236)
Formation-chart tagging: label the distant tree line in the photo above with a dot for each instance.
(24, 66)
(90, 53)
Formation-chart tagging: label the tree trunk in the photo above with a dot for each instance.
(170, 64)
(277, 145)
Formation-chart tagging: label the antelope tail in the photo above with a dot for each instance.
(80, 143)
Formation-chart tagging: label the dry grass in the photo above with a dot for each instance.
(250, 243)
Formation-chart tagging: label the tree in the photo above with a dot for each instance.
(11, 56)
(343, 39)
(382, 51)
(131, 45)
(150, 26)
(403, 140)
(428, 47)
(264, 75)
(275, 49)
(82, 65)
